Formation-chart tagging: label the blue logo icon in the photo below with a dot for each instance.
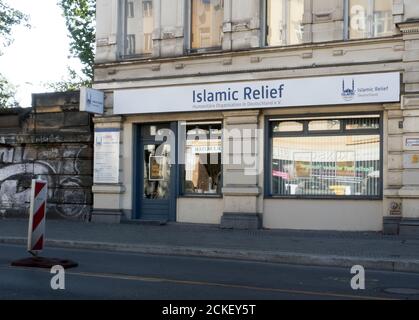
(348, 93)
(89, 98)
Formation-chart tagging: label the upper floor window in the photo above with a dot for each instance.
(138, 27)
(207, 24)
(284, 22)
(370, 18)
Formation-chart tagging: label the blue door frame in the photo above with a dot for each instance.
(156, 209)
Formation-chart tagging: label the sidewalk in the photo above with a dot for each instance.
(345, 249)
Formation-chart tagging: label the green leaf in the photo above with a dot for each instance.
(80, 16)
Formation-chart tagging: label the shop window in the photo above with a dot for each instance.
(331, 159)
(138, 26)
(202, 169)
(207, 24)
(363, 123)
(284, 22)
(370, 18)
(324, 125)
(289, 126)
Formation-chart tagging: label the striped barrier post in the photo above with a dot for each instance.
(36, 229)
(36, 232)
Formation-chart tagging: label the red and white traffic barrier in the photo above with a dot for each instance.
(36, 230)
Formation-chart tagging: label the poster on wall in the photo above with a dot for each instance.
(412, 142)
(106, 156)
(157, 168)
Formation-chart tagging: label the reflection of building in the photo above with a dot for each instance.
(339, 167)
(207, 23)
(285, 22)
(200, 176)
(139, 27)
(203, 165)
(327, 151)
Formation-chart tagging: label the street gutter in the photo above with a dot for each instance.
(396, 265)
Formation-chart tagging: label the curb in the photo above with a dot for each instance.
(401, 265)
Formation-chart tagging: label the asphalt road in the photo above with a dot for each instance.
(110, 275)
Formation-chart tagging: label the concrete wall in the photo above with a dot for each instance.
(52, 140)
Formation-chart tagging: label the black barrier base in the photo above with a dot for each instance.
(46, 263)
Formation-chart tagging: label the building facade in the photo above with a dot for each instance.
(291, 114)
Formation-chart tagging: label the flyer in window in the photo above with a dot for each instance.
(157, 168)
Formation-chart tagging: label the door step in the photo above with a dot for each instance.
(146, 222)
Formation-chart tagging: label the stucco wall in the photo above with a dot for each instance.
(323, 215)
(199, 210)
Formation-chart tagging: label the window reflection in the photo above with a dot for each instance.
(203, 150)
(356, 124)
(156, 171)
(341, 164)
(289, 126)
(207, 23)
(284, 22)
(370, 18)
(324, 125)
(138, 27)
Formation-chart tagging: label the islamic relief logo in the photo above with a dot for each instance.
(348, 93)
(89, 98)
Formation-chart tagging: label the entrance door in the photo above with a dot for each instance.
(156, 183)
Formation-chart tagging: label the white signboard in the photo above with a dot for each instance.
(204, 146)
(106, 156)
(336, 90)
(412, 142)
(91, 100)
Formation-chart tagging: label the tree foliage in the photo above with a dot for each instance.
(80, 22)
(9, 17)
(73, 82)
(7, 94)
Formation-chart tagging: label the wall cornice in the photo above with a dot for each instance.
(409, 27)
(296, 49)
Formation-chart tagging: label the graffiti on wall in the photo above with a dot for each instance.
(67, 190)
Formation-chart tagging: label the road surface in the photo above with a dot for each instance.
(115, 275)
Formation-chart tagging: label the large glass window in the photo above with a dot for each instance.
(370, 18)
(138, 27)
(329, 158)
(203, 149)
(207, 24)
(284, 22)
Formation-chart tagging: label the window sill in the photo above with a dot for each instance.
(135, 57)
(204, 50)
(306, 45)
(339, 198)
(200, 196)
